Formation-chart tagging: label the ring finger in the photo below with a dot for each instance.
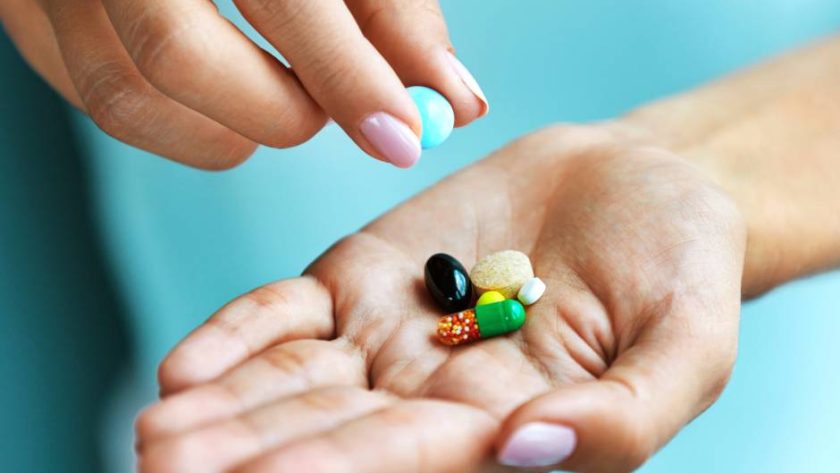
(186, 49)
(255, 432)
(127, 107)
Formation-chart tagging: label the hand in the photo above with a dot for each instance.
(337, 371)
(177, 79)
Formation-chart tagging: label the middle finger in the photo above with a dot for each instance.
(221, 446)
(186, 49)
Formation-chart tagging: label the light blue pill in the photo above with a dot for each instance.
(436, 115)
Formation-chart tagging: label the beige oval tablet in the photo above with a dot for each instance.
(505, 272)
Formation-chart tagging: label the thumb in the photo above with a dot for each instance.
(412, 36)
(670, 375)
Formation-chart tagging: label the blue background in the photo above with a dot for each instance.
(109, 255)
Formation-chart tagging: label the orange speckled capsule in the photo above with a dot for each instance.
(484, 321)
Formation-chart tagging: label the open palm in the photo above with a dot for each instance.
(338, 371)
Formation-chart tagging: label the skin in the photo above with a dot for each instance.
(179, 80)
(642, 256)
(648, 231)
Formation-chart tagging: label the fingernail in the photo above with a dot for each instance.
(392, 138)
(538, 444)
(469, 81)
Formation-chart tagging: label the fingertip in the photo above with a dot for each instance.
(468, 81)
(201, 357)
(173, 374)
(538, 444)
(392, 139)
(413, 38)
(540, 433)
(594, 426)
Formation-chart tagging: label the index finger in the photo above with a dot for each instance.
(409, 437)
(343, 72)
(278, 312)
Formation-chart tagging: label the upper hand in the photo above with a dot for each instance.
(176, 78)
(337, 371)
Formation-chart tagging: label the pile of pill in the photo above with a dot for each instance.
(504, 282)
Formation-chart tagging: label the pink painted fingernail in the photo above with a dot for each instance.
(538, 444)
(468, 80)
(393, 138)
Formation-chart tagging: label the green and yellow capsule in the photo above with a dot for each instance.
(485, 321)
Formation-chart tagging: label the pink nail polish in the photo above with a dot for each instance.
(464, 74)
(538, 444)
(392, 138)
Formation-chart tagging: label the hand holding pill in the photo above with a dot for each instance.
(147, 71)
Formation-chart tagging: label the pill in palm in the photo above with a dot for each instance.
(531, 291)
(504, 272)
(490, 297)
(484, 321)
(448, 282)
(436, 115)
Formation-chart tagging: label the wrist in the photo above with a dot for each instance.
(764, 264)
(768, 137)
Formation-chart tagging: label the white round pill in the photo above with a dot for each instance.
(531, 291)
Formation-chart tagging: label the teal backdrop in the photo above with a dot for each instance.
(109, 255)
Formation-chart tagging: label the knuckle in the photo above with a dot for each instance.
(161, 48)
(270, 296)
(336, 71)
(564, 139)
(279, 14)
(287, 361)
(116, 101)
(585, 136)
(376, 15)
(231, 332)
